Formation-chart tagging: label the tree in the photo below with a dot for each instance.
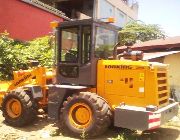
(10, 56)
(135, 31)
(15, 55)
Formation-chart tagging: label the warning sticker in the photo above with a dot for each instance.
(141, 89)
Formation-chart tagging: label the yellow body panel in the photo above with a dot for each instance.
(131, 82)
(4, 85)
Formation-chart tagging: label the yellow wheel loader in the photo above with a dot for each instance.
(92, 89)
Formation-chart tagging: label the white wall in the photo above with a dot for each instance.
(174, 71)
(124, 8)
(117, 9)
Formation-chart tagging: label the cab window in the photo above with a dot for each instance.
(105, 42)
(69, 45)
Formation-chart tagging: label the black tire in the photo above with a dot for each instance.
(27, 113)
(101, 115)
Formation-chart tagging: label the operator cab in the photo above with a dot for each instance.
(80, 44)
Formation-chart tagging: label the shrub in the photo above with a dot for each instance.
(14, 54)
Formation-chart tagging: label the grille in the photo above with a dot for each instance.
(163, 93)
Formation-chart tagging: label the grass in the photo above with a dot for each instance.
(126, 134)
(83, 136)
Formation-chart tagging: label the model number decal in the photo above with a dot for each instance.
(125, 67)
(22, 80)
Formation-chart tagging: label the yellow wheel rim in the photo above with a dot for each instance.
(14, 108)
(80, 115)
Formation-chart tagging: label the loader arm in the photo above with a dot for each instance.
(37, 74)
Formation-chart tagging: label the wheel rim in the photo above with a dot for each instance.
(14, 108)
(80, 115)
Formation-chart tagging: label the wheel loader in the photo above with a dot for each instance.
(92, 88)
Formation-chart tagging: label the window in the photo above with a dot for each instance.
(69, 71)
(106, 9)
(69, 52)
(69, 45)
(105, 42)
(86, 44)
(121, 18)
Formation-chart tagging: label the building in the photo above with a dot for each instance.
(27, 19)
(123, 11)
(165, 51)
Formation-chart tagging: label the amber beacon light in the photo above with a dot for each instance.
(111, 20)
(54, 24)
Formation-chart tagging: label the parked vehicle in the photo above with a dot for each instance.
(91, 90)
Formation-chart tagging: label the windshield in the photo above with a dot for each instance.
(105, 42)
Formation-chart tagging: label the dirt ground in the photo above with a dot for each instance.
(42, 129)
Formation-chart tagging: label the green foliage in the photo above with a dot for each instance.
(134, 31)
(104, 51)
(120, 137)
(15, 55)
(10, 57)
(40, 49)
(126, 134)
(83, 135)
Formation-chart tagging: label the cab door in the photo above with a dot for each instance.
(75, 64)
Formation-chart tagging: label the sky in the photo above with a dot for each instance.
(165, 13)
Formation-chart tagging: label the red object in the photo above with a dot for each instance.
(24, 21)
(154, 120)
